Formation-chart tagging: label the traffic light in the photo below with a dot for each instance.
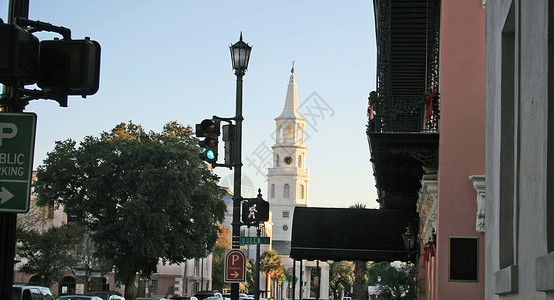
(255, 210)
(210, 130)
(229, 139)
(18, 55)
(71, 67)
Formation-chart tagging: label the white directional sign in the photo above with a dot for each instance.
(17, 145)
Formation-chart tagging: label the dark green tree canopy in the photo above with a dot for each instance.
(50, 253)
(144, 196)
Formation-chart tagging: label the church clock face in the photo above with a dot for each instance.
(288, 160)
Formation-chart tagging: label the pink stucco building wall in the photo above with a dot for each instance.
(462, 144)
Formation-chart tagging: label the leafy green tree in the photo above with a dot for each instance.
(50, 253)
(218, 258)
(393, 282)
(143, 196)
(270, 265)
(341, 275)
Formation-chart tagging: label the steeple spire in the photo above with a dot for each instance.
(290, 111)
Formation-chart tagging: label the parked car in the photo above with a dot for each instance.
(201, 295)
(107, 295)
(181, 298)
(153, 298)
(241, 295)
(28, 292)
(79, 297)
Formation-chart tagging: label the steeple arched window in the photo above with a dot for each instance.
(276, 164)
(286, 191)
(272, 192)
(301, 191)
(300, 161)
(289, 133)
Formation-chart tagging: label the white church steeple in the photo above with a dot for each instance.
(290, 111)
(289, 178)
(289, 184)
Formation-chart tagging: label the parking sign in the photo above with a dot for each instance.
(17, 144)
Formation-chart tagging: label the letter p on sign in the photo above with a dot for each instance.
(7, 131)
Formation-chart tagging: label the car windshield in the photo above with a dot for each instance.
(16, 293)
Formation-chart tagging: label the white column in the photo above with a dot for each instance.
(324, 281)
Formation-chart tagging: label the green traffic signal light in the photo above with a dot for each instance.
(209, 154)
(210, 130)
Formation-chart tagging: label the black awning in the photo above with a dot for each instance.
(350, 234)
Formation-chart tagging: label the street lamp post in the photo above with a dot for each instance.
(240, 55)
(409, 239)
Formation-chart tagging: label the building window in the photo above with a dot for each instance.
(50, 212)
(289, 137)
(153, 286)
(508, 144)
(196, 267)
(279, 135)
(300, 161)
(286, 191)
(276, 160)
(463, 259)
(285, 214)
(301, 192)
(550, 135)
(272, 192)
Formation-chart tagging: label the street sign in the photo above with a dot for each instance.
(235, 266)
(17, 145)
(253, 240)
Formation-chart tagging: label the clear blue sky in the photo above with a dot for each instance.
(169, 60)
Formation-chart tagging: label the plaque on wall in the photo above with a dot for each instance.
(463, 259)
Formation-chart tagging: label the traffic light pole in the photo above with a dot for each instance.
(8, 221)
(257, 276)
(237, 163)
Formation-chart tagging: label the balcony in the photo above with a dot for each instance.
(404, 111)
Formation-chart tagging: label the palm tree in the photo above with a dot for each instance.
(360, 269)
(270, 264)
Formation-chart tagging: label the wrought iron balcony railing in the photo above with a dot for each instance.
(404, 113)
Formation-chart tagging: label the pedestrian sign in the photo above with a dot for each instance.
(17, 144)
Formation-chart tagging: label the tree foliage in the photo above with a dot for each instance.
(144, 196)
(218, 258)
(248, 286)
(393, 282)
(341, 275)
(50, 253)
